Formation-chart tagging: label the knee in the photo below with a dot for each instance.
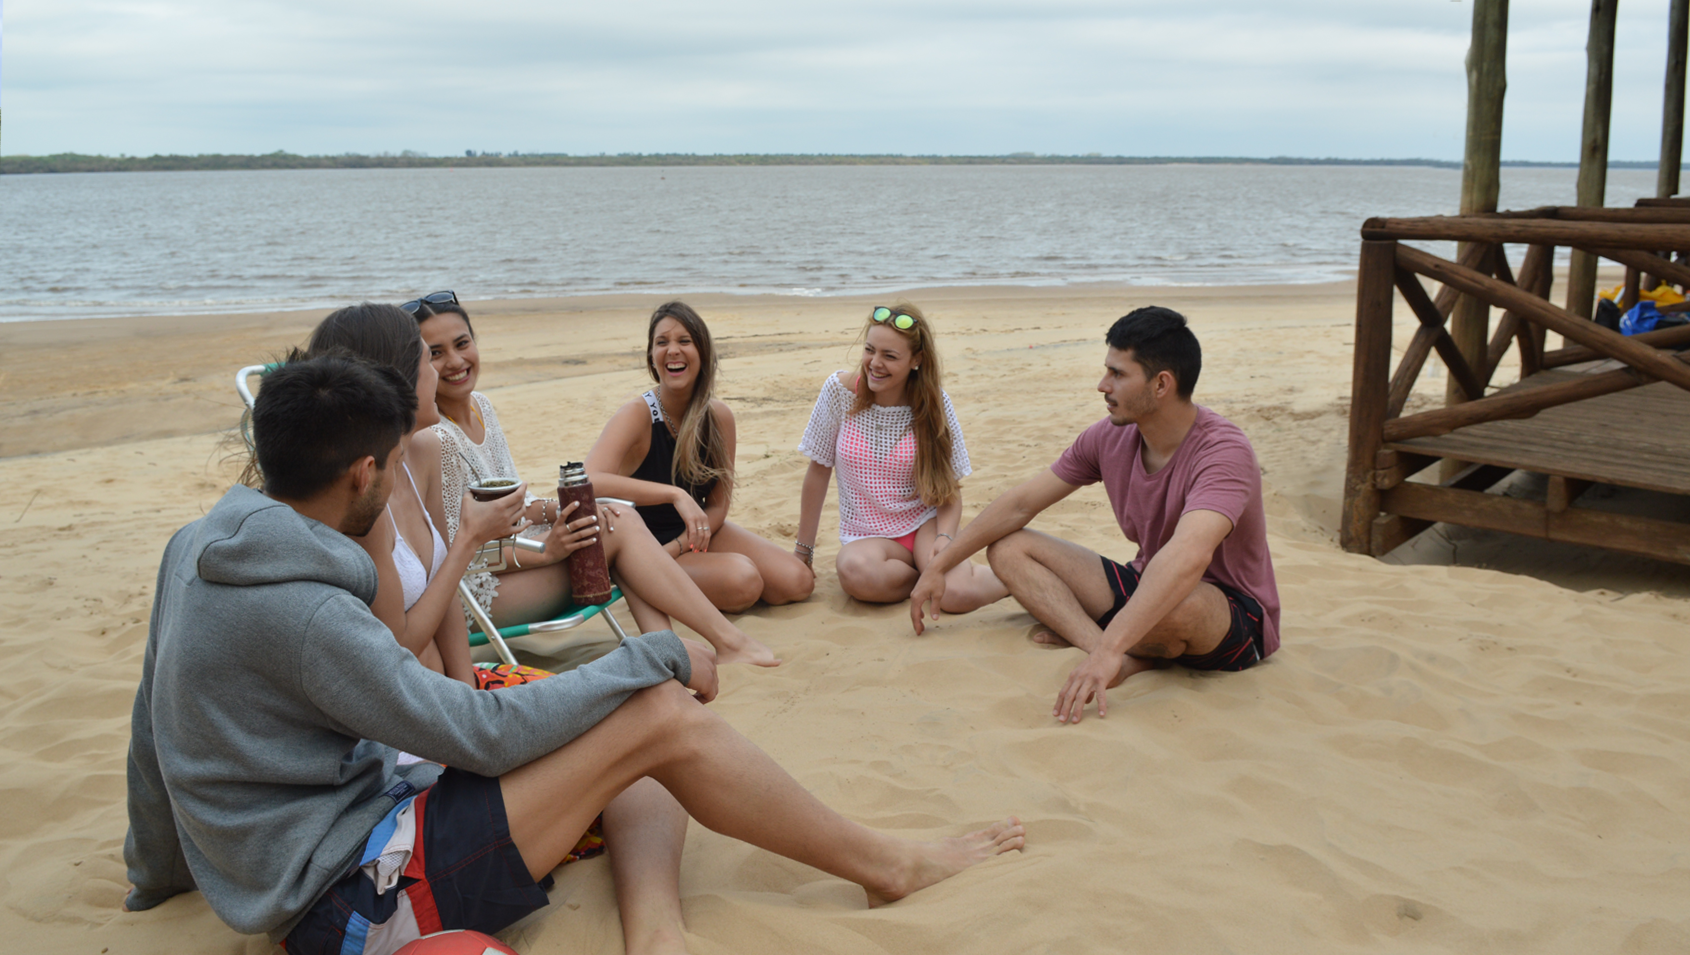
(664, 708)
(628, 528)
(1007, 551)
(855, 573)
(740, 586)
(789, 583)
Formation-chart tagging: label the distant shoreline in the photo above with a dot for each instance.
(77, 162)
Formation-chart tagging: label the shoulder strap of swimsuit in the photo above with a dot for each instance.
(654, 406)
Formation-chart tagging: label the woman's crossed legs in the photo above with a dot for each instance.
(882, 570)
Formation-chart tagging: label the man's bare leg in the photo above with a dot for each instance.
(730, 786)
(644, 830)
(1060, 583)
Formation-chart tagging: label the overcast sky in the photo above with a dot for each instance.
(1347, 78)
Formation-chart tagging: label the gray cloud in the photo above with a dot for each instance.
(1307, 77)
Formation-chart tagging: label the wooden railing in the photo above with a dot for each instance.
(1642, 239)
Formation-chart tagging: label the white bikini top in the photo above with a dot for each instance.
(413, 580)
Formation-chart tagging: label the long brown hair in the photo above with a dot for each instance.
(372, 332)
(701, 450)
(935, 482)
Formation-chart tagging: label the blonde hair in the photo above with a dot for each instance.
(701, 450)
(935, 482)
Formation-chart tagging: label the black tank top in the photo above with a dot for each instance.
(663, 520)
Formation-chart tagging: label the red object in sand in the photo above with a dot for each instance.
(456, 942)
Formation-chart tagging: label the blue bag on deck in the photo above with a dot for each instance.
(1642, 317)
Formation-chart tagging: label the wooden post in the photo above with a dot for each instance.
(1672, 105)
(1369, 391)
(1593, 148)
(1481, 172)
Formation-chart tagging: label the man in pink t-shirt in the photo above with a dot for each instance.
(1185, 487)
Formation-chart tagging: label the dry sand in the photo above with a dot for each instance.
(1441, 758)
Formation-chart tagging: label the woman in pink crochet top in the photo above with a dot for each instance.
(889, 429)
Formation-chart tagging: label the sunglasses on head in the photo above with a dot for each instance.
(899, 320)
(438, 298)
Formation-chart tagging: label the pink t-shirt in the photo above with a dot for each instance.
(1213, 470)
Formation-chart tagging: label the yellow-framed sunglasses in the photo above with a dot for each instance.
(899, 320)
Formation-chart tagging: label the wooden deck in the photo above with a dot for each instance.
(1637, 438)
(1606, 409)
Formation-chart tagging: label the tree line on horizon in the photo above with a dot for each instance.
(408, 159)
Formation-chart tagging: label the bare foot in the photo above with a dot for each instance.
(933, 862)
(1046, 637)
(746, 650)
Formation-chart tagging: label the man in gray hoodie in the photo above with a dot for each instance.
(262, 760)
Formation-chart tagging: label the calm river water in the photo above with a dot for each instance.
(78, 246)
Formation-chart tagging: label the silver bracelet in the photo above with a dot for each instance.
(946, 537)
(809, 549)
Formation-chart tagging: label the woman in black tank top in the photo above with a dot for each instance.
(658, 467)
(671, 452)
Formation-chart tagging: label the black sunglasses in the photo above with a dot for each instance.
(438, 298)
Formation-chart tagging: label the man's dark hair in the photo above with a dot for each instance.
(316, 417)
(1160, 341)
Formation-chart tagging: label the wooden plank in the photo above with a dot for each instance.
(1593, 145)
(1399, 467)
(1649, 262)
(1672, 102)
(1563, 491)
(1630, 288)
(1370, 379)
(1618, 235)
(1611, 343)
(1656, 215)
(1408, 370)
(1390, 531)
(1510, 403)
(1638, 438)
(1664, 338)
(1668, 203)
(1532, 335)
(1476, 256)
(1535, 274)
(1663, 540)
(1507, 330)
(1459, 371)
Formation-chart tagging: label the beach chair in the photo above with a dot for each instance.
(492, 553)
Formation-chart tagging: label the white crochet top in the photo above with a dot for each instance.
(462, 463)
(873, 454)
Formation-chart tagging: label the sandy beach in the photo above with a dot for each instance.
(1479, 744)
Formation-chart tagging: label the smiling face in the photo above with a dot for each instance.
(674, 356)
(452, 352)
(888, 358)
(1127, 392)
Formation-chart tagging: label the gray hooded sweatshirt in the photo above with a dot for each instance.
(272, 700)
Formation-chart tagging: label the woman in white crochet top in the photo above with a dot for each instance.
(889, 429)
(536, 587)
